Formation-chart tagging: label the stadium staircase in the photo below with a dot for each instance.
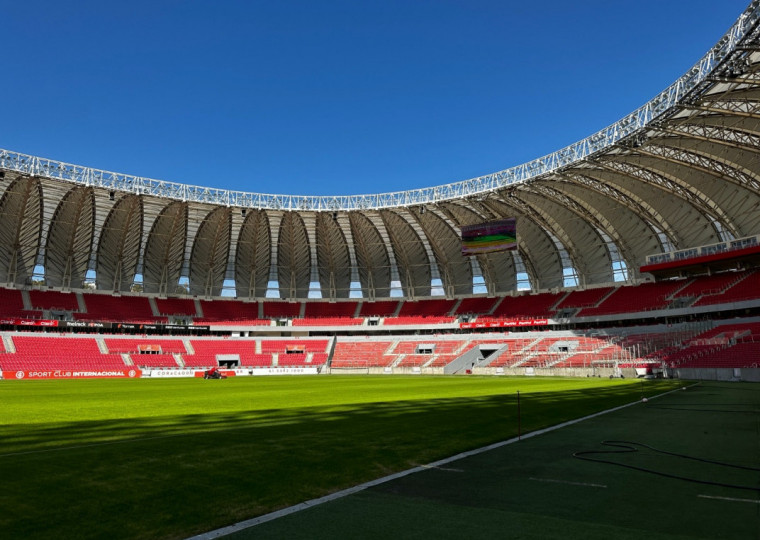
(153, 307)
(178, 358)
(8, 345)
(81, 304)
(472, 358)
(27, 301)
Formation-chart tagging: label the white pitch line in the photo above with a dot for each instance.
(753, 501)
(554, 481)
(441, 468)
(224, 531)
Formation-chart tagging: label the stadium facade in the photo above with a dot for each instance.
(680, 172)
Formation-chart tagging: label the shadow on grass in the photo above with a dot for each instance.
(172, 476)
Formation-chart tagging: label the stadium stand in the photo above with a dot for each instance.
(634, 299)
(12, 305)
(345, 310)
(525, 306)
(103, 307)
(709, 285)
(154, 360)
(55, 352)
(475, 306)
(747, 288)
(381, 308)
(360, 354)
(147, 344)
(427, 308)
(176, 306)
(583, 298)
(230, 312)
(53, 300)
(204, 352)
(282, 310)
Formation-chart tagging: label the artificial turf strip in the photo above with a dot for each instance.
(171, 458)
(537, 489)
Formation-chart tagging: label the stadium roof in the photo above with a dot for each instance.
(680, 171)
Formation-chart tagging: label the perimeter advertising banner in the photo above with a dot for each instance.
(73, 374)
(505, 323)
(491, 236)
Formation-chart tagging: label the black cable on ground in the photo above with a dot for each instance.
(631, 446)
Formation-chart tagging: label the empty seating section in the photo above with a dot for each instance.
(328, 321)
(176, 306)
(400, 353)
(427, 308)
(205, 351)
(329, 314)
(746, 289)
(230, 311)
(423, 312)
(404, 347)
(644, 297)
(366, 353)
(475, 306)
(281, 310)
(312, 359)
(285, 345)
(739, 355)
(564, 351)
(43, 352)
(709, 285)
(525, 306)
(583, 298)
(12, 305)
(53, 300)
(314, 310)
(383, 308)
(103, 307)
(154, 360)
(145, 344)
(727, 345)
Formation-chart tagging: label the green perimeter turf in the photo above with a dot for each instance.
(536, 489)
(170, 458)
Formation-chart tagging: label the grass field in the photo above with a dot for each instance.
(706, 487)
(171, 458)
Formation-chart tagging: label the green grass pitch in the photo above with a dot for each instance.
(171, 458)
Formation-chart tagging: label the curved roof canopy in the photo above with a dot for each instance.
(681, 171)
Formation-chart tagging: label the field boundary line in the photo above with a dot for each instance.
(731, 499)
(242, 525)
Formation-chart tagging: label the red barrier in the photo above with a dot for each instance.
(74, 374)
(29, 322)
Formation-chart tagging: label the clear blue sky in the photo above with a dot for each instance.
(334, 97)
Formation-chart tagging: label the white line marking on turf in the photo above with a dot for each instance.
(552, 480)
(361, 487)
(754, 501)
(442, 468)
